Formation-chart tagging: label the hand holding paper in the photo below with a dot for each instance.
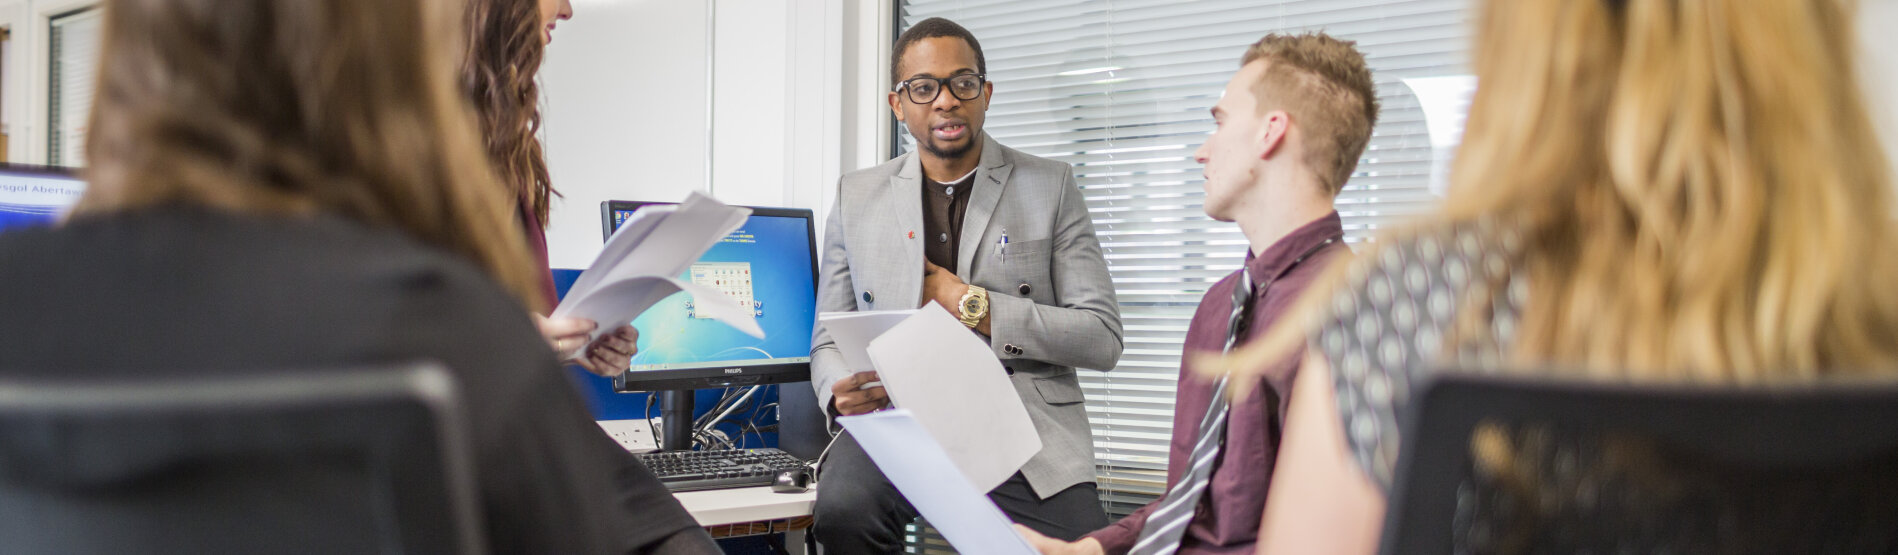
(859, 393)
(640, 264)
(936, 369)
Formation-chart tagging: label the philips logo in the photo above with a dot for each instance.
(734, 370)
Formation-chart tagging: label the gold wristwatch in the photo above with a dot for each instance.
(973, 306)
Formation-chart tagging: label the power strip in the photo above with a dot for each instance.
(635, 435)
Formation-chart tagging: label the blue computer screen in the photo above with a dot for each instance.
(35, 197)
(766, 261)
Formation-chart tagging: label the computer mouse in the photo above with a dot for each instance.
(792, 480)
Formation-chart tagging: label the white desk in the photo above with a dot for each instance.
(741, 505)
(751, 511)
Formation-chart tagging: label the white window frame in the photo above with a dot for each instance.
(29, 73)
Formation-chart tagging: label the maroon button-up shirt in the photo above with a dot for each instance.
(1227, 520)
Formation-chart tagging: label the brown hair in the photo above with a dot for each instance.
(344, 107)
(1325, 85)
(505, 49)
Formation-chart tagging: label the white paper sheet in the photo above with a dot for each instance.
(636, 294)
(630, 233)
(920, 468)
(853, 332)
(951, 382)
(641, 263)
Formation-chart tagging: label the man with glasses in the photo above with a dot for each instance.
(1000, 239)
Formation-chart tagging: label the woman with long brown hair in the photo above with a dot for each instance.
(507, 42)
(298, 186)
(1649, 191)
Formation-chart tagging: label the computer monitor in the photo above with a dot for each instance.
(36, 195)
(770, 262)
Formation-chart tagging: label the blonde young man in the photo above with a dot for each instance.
(1290, 128)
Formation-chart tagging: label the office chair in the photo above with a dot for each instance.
(371, 460)
(801, 423)
(1619, 468)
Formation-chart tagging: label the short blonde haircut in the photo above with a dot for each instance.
(1325, 85)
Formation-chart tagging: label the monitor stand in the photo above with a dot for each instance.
(675, 419)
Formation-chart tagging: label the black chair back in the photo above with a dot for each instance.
(371, 460)
(1622, 468)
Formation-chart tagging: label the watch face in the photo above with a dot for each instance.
(972, 306)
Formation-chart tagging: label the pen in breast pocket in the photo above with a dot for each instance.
(1001, 245)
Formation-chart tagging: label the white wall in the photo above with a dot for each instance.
(752, 101)
(624, 87)
(866, 75)
(24, 110)
(626, 107)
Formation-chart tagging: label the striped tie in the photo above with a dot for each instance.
(1167, 524)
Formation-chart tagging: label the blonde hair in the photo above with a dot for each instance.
(1325, 85)
(295, 108)
(1698, 190)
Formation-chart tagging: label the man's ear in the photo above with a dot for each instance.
(1273, 132)
(896, 106)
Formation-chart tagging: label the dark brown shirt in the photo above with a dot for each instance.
(943, 207)
(1227, 520)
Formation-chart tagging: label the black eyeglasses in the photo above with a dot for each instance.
(924, 90)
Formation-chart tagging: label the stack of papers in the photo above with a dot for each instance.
(920, 468)
(643, 261)
(949, 381)
(853, 331)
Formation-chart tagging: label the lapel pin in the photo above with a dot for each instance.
(912, 235)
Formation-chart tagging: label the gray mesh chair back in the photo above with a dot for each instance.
(370, 460)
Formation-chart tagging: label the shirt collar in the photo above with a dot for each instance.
(1282, 254)
(956, 181)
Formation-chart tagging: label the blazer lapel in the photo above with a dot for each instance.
(906, 188)
(991, 178)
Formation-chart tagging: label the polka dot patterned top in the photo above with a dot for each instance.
(1447, 297)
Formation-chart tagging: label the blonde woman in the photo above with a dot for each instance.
(296, 185)
(1649, 191)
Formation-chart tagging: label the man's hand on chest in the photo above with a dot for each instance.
(946, 289)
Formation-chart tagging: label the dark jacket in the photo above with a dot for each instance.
(191, 292)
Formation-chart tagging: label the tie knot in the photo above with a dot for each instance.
(1242, 291)
(1241, 306)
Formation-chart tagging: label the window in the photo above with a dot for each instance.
(6, 76)
(75, 65)
(1121, 89)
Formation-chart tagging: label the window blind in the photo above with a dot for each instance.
(1121, 89)
(74, 57)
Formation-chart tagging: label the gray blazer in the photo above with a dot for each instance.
(1051, 303)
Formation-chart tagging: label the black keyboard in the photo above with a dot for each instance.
(731, 468)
